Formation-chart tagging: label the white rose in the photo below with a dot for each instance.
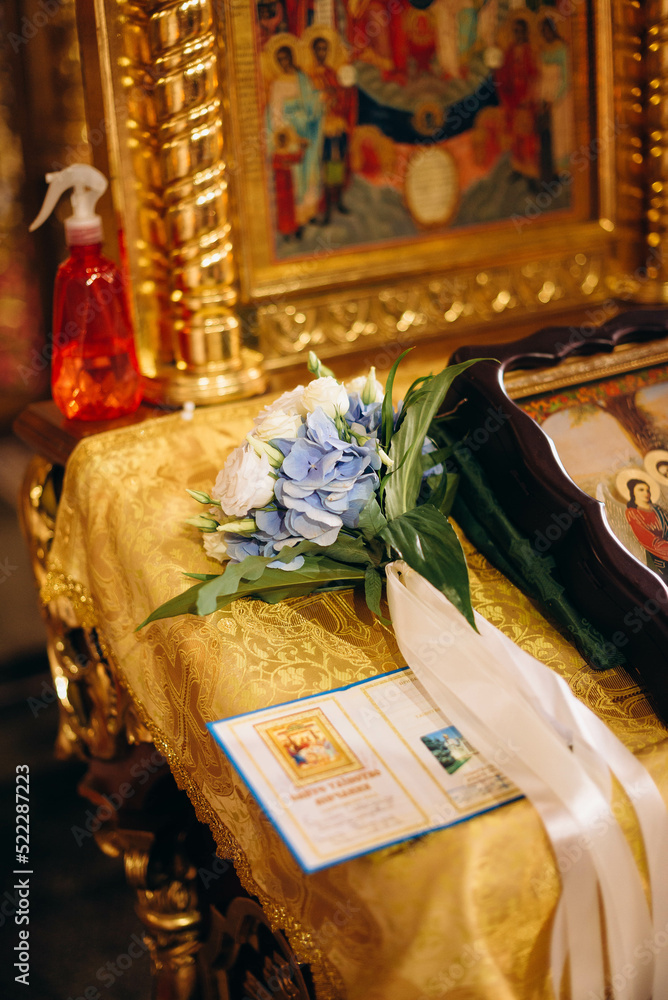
(328, 394)
(277, 425)
(214, 545)
(244, 482)
(289, 402)
(368, 386)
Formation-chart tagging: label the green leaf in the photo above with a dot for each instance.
(425, 539)
(250, 578)
(450, 494)
(373, 590)
(387, 410)
(315, 573)
(234, 577)
(346, 549)
(415, 398)
(371, 520)
(184, 604)
(253, 576)
(443, 494)
(276, 596)
(403, 486)
(414, 386)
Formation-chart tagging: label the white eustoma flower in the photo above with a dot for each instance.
(278, 424)
(328, 394)
(214, 545)
(244, 482)
(368, 386)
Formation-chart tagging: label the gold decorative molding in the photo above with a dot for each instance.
(407, 311)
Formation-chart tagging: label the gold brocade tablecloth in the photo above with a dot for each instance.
(462, 913)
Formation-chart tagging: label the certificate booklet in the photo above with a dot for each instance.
(362, 767)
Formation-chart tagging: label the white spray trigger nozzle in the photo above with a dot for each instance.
(83, 226)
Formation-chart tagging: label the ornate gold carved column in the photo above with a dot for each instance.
(656, 208)
(620, 84)
(162, 99)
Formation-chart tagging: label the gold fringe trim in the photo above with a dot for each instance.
(327, 980)
(56, 584)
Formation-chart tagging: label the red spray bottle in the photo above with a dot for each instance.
(94, 371)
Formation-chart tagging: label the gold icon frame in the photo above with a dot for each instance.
(176, 81)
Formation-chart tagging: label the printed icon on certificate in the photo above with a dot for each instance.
(308, 746)
(449, 748)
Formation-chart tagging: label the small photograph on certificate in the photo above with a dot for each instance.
(308, 746)
(449, 748)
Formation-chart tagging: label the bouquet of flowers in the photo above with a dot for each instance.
(330, 485)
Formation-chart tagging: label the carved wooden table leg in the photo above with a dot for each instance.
(150, 831)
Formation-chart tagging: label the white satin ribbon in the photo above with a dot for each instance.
(517, 711)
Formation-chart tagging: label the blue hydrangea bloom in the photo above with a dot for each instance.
(325, 482)
(271, 535)
(368, 415)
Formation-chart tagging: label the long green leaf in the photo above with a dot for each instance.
(387, 410)
(183, 604)
(403, 486)
(315, 573)
(452, 482)
(425, 539)
(411, 401)
(443, 492)
(276, 596)
(229, 582)
(414, 386)
(347, 549)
